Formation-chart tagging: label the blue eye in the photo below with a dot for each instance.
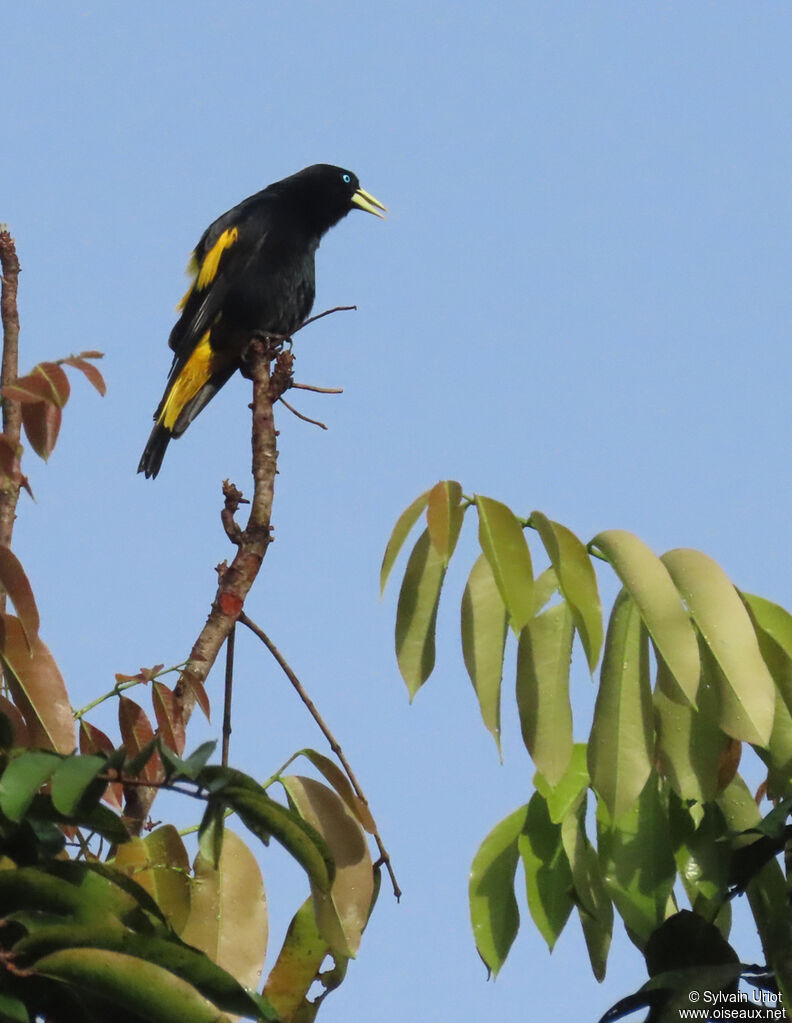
(346, 178)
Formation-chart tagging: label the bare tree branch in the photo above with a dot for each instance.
(12, 410)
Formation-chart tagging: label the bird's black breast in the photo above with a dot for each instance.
(275, 291)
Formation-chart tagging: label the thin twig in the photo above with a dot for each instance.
(319, 390)
(305, 419)
(229, 685)
(331, 739)
(327, 312)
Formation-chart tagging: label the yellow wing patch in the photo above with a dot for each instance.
(192, 271)
(211, 261)
(188, 383)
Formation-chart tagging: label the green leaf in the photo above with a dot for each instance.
(143, 988)
(773, 627)
(401, 531)
(483, 641)
(340, 783)
(594, 905)
(543, 659)
(72, 782)
(228, 916)
(22, 779)
(690, 743)
(444, 515)
(647, 580)
(342, 913)
(545, 585)
(263, 815)
(564, 798)
(638, 863)
(416, 615)
(774, 619)
(493, 906)
(702, 850)
(577, 580)
(548, 877)
(748, 693)
(621, 744)
(503, 542)
(298, 964)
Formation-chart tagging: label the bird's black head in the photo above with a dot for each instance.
(324, 194)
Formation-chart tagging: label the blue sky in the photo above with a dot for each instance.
(579, 303)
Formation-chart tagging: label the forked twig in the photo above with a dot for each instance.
(333, 742)
(327, 312)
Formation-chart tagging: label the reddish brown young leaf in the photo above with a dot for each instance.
(20, 729)
(189, 681)
(42, 422)
(29, 389)
(170, 719)
(16, 584)
(56, 379)
(136, 732)
(90, 371)
(94, 740)
(90, 354)
(38, 689)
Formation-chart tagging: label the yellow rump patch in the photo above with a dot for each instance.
(211, 261)
(188, 383)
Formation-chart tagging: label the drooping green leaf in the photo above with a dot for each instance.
(416, 615)
(577, 580)
(543, 659)
(342, 913)
(593, 903)
(401, 531)
(74, 782)
(621, 744)
(144, 989)
(548, 877)
(228, 911)
(545, 585)
(264, 817)
(702, 850)
(298, 964)
(565, 797)
(637, 862)
(493, 906)
(503, 542)
(690, 742)
(341, 784)
(444, 515)
(22, 779)
(748, 696)
(159, 864)
(484, 627)
(647, 580)
(766, 892)
(775, 643)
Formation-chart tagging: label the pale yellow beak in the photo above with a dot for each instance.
(365, 201)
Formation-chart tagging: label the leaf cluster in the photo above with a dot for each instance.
(650, 805)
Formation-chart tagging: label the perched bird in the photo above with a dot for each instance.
(253, 271)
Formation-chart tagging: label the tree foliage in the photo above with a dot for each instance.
(651, 808)
(103, 914)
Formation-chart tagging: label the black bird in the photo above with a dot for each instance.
(253, 271)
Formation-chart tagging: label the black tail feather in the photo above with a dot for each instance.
(154, 451)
